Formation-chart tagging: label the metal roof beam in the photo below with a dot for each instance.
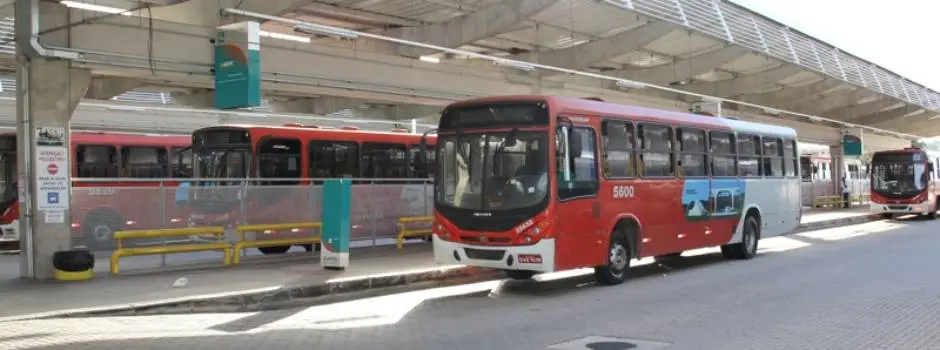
(584, 55)
(743, 84)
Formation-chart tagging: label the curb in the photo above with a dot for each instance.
(328, 292)
(281, 297)
(820, 225)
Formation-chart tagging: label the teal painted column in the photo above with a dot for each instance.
(238, 66)
(336, 208)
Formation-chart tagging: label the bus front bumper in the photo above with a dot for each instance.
(915, 208)
(538, 257)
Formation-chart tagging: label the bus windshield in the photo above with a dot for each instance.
(898, 178)
(482, 171)
(222, 163)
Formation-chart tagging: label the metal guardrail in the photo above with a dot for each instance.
(735, 24)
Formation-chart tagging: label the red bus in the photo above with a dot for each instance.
(106, 167)
(268, 174)
(533, 184)
(903, 182)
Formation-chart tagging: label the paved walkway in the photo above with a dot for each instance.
(22, 297)
(813, 215)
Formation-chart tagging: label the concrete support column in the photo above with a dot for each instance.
(836, 168)
(48, 90)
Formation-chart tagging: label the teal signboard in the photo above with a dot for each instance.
(851, 145)
(336, 221)
(238, 70)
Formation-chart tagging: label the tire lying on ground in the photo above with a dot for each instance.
(73, 265)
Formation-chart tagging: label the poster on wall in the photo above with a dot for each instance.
(52, 169)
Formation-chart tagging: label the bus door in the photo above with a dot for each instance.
(578, 213)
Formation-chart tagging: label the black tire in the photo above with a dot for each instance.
(99, 228)
(747, 248)
(281, 249)
(931, 215)
(312, 247)
(617, 268)
(887, 216)
(520, 274)
(73, 260)
(666, 258)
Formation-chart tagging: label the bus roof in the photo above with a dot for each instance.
(123, 138)
(310, 130)
(591, 107)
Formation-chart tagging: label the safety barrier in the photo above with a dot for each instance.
(827, 201)
(217, 232)
(405, 232)
(837, 201)
(288, 241)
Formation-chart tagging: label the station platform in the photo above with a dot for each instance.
(269, 277)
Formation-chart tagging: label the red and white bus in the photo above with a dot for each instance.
(267, 175)
(533, 184)
(904, 182)
(99, 162)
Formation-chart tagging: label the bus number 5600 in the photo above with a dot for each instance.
(624, 191)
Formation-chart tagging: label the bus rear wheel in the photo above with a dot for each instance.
(618, 261)
(747, 248)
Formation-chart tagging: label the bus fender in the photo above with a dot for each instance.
(739, 228)
(632, 237)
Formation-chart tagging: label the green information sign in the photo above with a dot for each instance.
(851, 145)
(238, 68)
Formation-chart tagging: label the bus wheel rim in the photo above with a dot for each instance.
(750, 240)
(618, 258)
(102, 232)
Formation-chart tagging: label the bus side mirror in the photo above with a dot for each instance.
(930, 167)
(423, 151)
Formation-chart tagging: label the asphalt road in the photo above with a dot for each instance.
(868, 286)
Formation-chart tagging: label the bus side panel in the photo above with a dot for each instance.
(580, 238)
(658, 203)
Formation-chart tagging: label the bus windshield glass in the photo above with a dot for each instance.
(222, 163)
(898, 175)
(482, 171)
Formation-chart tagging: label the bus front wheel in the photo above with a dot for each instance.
(281, 249)
(618, 261)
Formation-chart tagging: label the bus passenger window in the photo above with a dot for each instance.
(748, 155)
(144, 162)
(384, 161)
(583, 170)
(334, 159)
(772, 160)
(425, 171)
(656, 150)
(618, 149)
(790, 159)
(694, 155)
(723, 154)
(181, 162)
(96, 161)
(279, 158)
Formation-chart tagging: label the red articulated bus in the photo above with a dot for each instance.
(904, 182)
(101, 203)
(531, 184)
(248, 174)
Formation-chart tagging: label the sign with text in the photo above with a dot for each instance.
(52, 169)
(238, 66)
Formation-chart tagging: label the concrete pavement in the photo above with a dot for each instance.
(855, 287)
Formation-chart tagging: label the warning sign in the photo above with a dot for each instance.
(52, 164)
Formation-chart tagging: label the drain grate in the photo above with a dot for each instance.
(608, 343)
